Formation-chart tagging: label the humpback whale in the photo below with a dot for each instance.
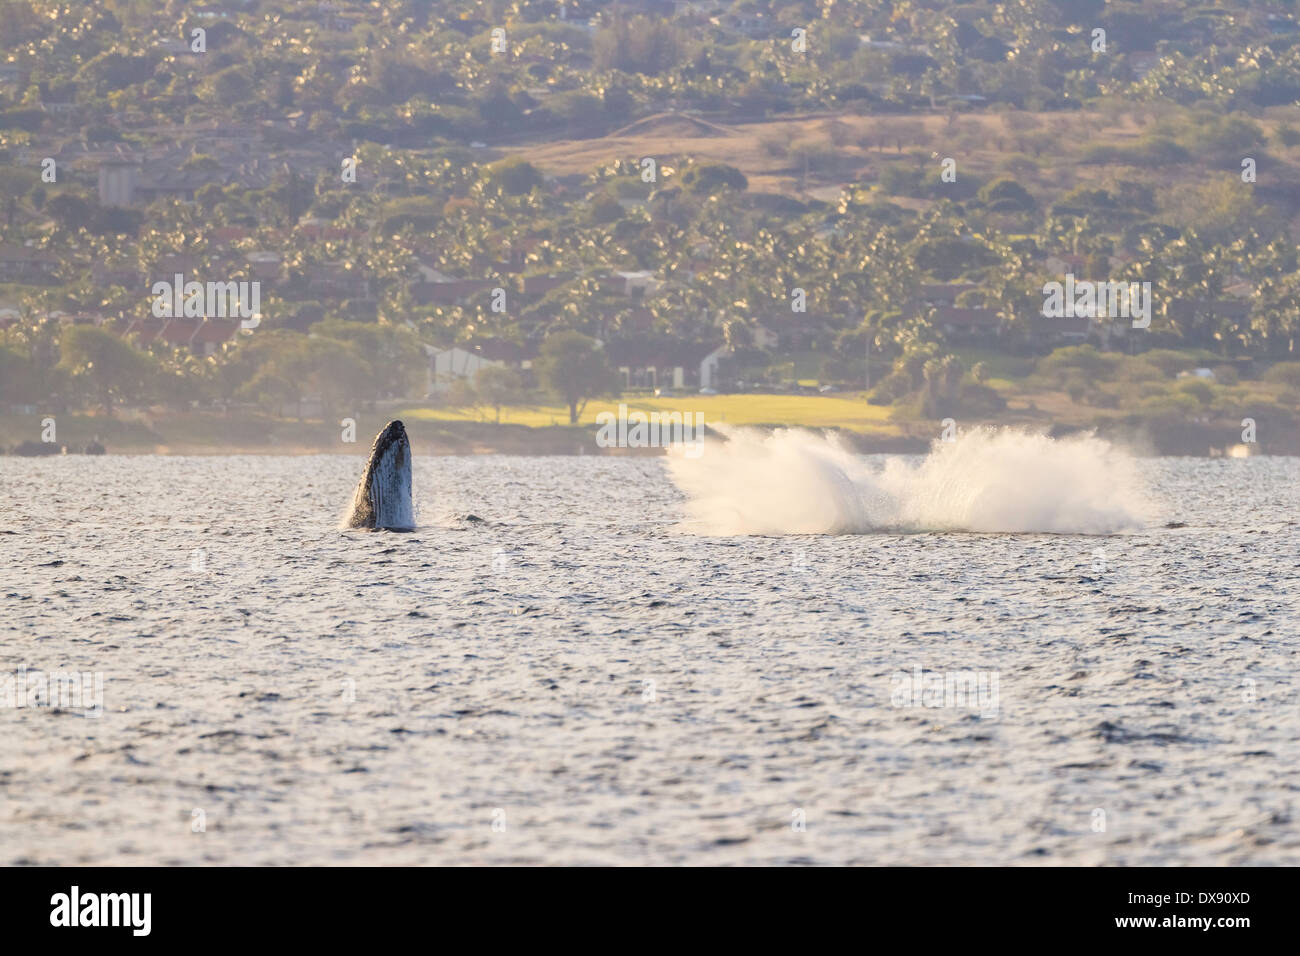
(383, 495)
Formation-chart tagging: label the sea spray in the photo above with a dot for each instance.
(1013, 481)
(782, 482)
(989, 480)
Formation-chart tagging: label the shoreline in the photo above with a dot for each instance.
(203, 434)
(566, 444)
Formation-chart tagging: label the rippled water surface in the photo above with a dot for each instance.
(574, 678)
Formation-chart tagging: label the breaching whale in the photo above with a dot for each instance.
(383, 495)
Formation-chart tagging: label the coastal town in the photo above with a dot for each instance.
(722, 200)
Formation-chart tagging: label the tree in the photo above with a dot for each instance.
(637, 45)
(393, 355)
(575, 369)
(497, 385)
(18, 378)
(281, 367)
(268, 368)
(105, 366)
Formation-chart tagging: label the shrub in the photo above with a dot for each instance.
(1006, 195)
(1203, 392)
(1284, 373)
(605, 209)
(1084, 359)
(1134, 369)
(28, 120)
(1287, 135)
(1152, 151)
(709, 178)
(1172, 361)
(1171, 405)
(515, 176)
(1226, 374)
(894, 386)
(981, 400)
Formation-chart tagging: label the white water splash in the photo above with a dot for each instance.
(801, 482)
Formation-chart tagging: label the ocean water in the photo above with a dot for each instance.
(588, 661)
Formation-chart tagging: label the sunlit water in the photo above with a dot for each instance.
(577, 679)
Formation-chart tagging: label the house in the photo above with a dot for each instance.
(518, 251)
(212, 334)
(160, 179)
(79, 318)
(105, 274)
(465, 361)
(145, 330)
(448, 365)
(967, 324)
(1066, 264)
(201, 336)
(755, 27)
(224, 235)
(798, 331)
(540, 285)
(445, 290)
(685, 365)
(637, 285)
(172, 264)
(891, 46)
(27, 266)
(1186, 310)
(1142, 63)
(697, 10)
(1076, 330)
(695, 266)
(264, 266)
(337, 280)
(1069, 331)
(172, 47)
(179, 332)
(13, 75)
(765, 338)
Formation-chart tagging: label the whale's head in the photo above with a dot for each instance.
(392, 438)
(383, 496)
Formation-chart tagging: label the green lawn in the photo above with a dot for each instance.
(814, 411)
